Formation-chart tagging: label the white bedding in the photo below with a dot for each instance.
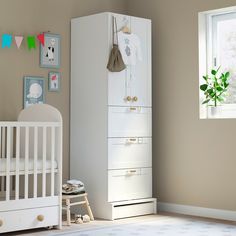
(22, 164)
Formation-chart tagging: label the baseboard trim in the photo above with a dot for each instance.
(197, 211)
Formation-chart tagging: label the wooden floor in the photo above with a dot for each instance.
(104, 223)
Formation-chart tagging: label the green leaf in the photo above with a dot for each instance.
(227, 74)
(224, 78)
(205, 77)
(213, 72)
(206, 101)
(219, 89)
(226, 84)
(203, 87)
(220, 99)
(212, 95)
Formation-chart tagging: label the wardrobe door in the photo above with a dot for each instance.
(118, 83)
(141, 73)
(118, 91)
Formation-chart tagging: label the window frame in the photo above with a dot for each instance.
(207, 61)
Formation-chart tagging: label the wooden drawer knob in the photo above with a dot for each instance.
(40, 218)
(1, 223)
(128, 98)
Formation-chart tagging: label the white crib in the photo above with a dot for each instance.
(31, 170)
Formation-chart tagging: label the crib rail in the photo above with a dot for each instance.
(38, 146)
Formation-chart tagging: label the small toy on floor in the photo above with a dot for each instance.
(79, 219)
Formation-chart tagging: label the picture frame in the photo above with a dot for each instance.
(50, 52)
(54, 81)
(34, 90)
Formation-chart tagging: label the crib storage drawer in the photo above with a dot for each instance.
(129, 122)
(129, 184)
(129, 153)
(30, 218)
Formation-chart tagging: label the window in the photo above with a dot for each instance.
(217, 48)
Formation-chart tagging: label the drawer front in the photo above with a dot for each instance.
(129, 184)
(129, 153)
(129, 122)
(28, 219)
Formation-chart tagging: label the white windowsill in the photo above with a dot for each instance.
(226, 111)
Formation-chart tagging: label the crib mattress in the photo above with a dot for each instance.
(22, 164)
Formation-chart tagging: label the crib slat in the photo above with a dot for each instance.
(35, 161)
(3, 142)
(26, 162)
(12, 141)
(1, 157)
(8, 163)
(0, 141)
(17, 188)
(44, 160)
(1, 184)
(52, 159)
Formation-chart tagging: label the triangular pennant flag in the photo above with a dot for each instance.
(31, 42)
(6, 40)
(18, 40)
(40, 38)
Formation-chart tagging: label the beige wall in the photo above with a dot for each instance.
(194, 160)
(34, 16)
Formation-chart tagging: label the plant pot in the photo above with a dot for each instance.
(214, 111)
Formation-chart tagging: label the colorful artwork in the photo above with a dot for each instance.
(34, 91)
(54, 81)
(50, 52)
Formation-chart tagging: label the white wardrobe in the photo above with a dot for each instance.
(111, 118)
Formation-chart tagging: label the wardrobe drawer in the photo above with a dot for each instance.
(129, 152)
(129, 184)
(129, 122)
(30, 218)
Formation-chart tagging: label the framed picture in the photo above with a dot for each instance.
(50, 52)
(34, 91)
(54, 81)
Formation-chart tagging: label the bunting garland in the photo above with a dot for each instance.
(41, 38)
(6, 40)
(31, 40)
(18, 40)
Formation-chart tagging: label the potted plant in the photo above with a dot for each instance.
(215, 88)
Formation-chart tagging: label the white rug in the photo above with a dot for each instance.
(169, 226)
